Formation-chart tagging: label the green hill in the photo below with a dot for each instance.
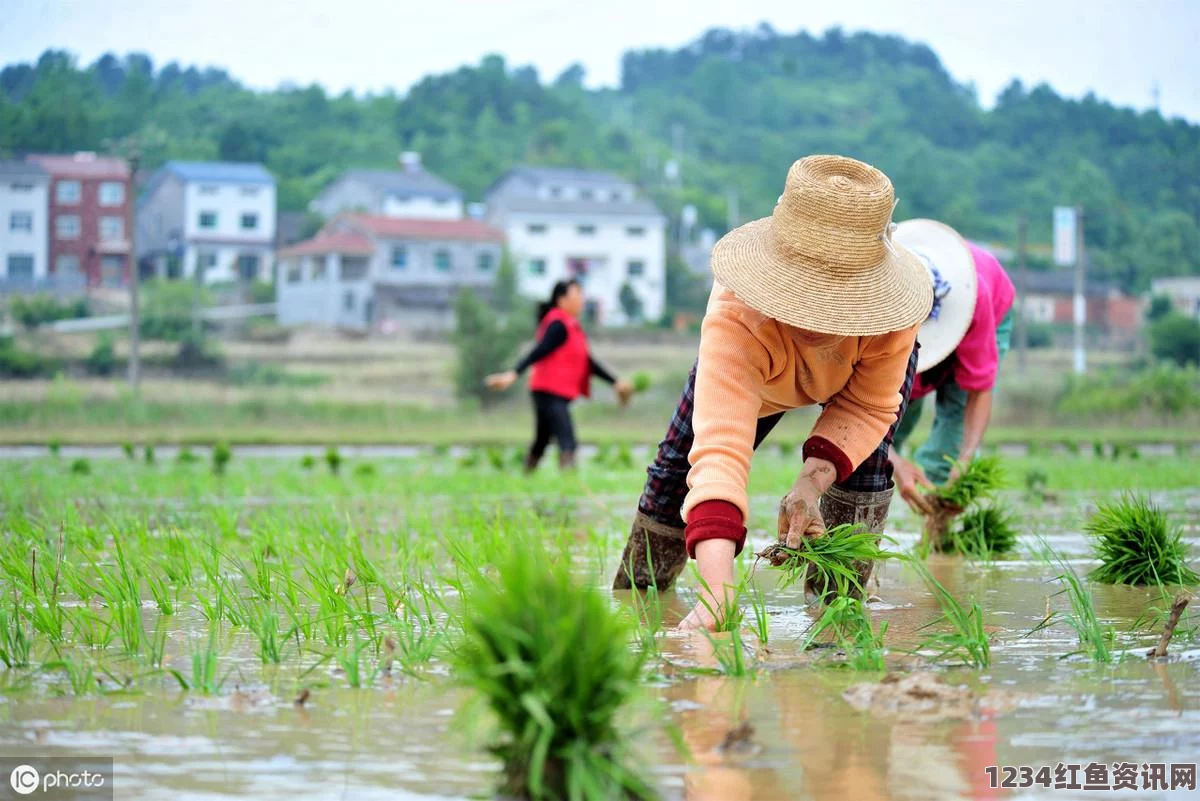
(739, 107)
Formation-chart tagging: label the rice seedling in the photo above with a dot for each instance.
(829, 564)
(148, 454)
(54, 447)
(495, 457)
(982, 532)
(471, 459)
(15, 641)
(81, 467)
(80, 677)
(758, 605)
(1095, 640)
(365, 471)
(641, 381)
(349, 659)
(976, 481)
(128, 449)
(623, 458)
(333, 460)
(967, 641)
(221, 456)
(846, 622)
(263, 623)
(730, 653)
(1137, 544)
(552, 662)
(186, 456)
(726, 616)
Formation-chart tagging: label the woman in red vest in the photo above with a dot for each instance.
(562, 369)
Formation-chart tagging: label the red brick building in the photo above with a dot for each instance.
(91, 216)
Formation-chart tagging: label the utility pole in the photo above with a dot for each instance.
(1022, 294)
(1080, 296)
(134, 277)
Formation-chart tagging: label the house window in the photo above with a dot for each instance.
(354, 268)
(294, 274)
(586, 230)
(249, 191)
(318, 268)
(556, 191)
(208, 189)
(399, 257)
(20, 266)
(536, 228)
(585, 194)
(20, 221)
(249, 222)
(485, 261)
(112, 193)
(208, 219)
(636, 268)
(537, 266)
(442, 261)
(247, 266)
(66, 264)
(66, 226)
(635, 230)
(21, 187)
(348, 301)
(68, 192)
(112, 229)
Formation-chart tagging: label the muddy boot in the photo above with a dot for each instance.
(566, 460)
(531, 463)
(654, 556)
(869, 509)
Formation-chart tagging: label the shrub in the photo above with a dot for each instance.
(18, 363)
(552, 660)
(1137, 544)
(487, 335)
(196, 353)
(102, 360)
(37, 310)
(167, 309)
(1176, 337)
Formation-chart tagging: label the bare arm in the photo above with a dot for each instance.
(975, 423)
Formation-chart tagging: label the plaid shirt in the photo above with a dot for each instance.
(666, 481)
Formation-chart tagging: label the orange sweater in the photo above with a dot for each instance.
(752, 366)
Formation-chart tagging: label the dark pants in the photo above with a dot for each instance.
(552, 420)
(666, 482)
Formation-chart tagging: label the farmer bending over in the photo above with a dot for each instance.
(812, 305)
(562, 369)
(967, 334)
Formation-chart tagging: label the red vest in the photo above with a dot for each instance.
(566, 371)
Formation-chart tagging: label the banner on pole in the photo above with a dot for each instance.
(1065, 220)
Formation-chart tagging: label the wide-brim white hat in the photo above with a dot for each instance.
(941, 247)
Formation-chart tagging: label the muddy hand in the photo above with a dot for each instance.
(800, 514)
(910, 480)
(624, 390)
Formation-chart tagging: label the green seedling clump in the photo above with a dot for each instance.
(829, 564)
(976, 481)
(81, 467)
(186, 456)
(221, 455)
(333, 459)
(365, 470)
(128, 450)
(552, 660)
(982, 532)
(641, 381)
(1137, 544)
(308, 461)
(149, 454)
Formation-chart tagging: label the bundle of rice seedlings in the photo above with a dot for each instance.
(828, 565)
(1137, 544)
(553, 662)
(847, 623)
(982, 532)
(976, 481)
(641, 381)
(333, 459)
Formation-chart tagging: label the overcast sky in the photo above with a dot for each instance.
(1120, 49)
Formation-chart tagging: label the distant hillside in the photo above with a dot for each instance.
(741, 106)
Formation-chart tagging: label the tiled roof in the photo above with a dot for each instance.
(402, 228)
(404, 182)
(568, 174)
(82, 165)
(22, 169)
(224, 172)
(536, 205)
(346, 243)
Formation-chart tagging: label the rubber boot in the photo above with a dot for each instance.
(566, 460)
(654, 555)
(870, 510)
(531, 462)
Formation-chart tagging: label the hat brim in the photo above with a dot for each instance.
(821, 297)
(947, 251)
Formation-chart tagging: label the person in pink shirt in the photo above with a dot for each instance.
(961, 345)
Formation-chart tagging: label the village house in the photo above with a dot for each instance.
(24, 224)
(90, 213)
(1049, 297)
(591, 226)
(1183, 292)
(365, 271)
(411, 192)
(211, 219)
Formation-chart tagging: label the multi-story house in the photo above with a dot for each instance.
(368, 271)
(211, 219)
(90, 216)
(24, 210)
(591, 226)
(412, 192)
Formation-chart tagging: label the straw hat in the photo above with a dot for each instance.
(947, 256)
(824, 260)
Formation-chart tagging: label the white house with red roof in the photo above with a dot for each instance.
(364, 271)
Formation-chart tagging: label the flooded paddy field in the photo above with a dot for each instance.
(287, 629)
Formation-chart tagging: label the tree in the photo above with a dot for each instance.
(686, 291)
(486, 342)
(631, 303)
(1176, 337)
(1160, 306)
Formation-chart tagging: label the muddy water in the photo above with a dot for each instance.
(786, 733)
